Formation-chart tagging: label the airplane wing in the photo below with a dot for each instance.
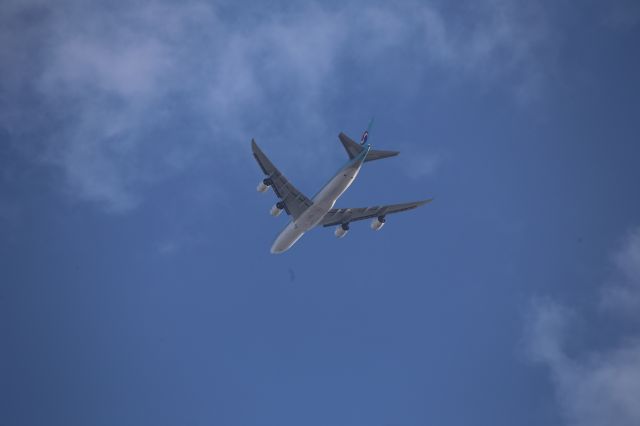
(340, 216)
(295, 202)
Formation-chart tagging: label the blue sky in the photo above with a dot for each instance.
(137, 285)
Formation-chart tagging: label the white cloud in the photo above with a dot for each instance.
(599, 386)
(104, 81)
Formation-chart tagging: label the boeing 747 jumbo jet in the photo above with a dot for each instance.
(306, 213)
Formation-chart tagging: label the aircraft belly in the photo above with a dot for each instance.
(287, 238)
(312, 216)
(320, 206)
(322, 203)
(336, 187)
(343, 182)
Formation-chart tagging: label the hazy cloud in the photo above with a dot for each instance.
(598, 386)
(622, 294)
(134, 93)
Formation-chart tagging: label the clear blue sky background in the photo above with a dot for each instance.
(136, 283)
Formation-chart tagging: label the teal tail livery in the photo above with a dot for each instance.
(307, 213)
(365, 134)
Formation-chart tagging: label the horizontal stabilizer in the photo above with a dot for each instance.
(377, 155)
(353, 149)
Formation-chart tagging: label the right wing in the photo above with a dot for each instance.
(340, 216)
(295, 202)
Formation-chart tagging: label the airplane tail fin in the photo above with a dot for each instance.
(365, 134)
(353, 149)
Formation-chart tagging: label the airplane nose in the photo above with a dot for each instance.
(286, 239)
(278, 247)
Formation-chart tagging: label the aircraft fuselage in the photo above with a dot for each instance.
(322, 203)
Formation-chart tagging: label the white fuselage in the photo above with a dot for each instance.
(322, 203)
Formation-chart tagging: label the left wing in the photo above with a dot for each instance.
(340, 216)
(294, 201)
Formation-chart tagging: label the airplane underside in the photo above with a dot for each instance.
(307, 214)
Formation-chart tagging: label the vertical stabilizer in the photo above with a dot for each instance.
(365, 134)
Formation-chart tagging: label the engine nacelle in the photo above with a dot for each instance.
(377, 223)
(342, 230)
(275, 210)
(263, 185)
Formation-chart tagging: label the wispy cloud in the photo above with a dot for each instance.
(621, 296)
(121, 97)
(598, 386)
(421, 165)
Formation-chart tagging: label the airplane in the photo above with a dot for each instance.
(308, 213)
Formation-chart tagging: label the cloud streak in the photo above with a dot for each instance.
(134, 94)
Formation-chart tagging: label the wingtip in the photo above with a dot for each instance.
(254, 146)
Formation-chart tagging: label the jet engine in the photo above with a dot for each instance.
(342, 230)
(263, 185)
(378, 223)
(277, 208)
